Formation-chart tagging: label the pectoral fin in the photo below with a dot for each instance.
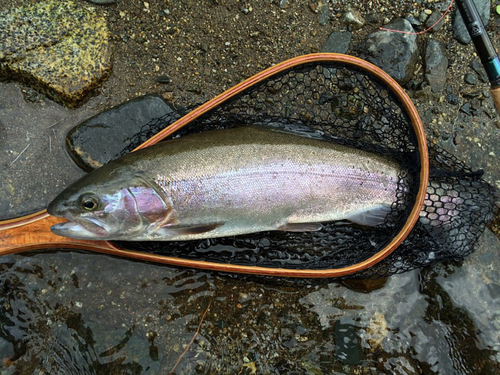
(300, 227)
(370, 217)
(179, 230)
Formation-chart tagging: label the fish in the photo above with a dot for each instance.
(228, 182)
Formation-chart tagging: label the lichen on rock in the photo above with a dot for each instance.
(59, 48)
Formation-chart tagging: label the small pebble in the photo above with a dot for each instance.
(414, 21)
(466, 108)
(283, 4)
(470, 79)
(353, 18)
(163, 79)
(452, 99)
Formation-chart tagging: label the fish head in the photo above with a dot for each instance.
(112, 208)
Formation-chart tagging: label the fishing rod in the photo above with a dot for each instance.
(484, 47)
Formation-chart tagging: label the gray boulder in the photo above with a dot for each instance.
(396, 53)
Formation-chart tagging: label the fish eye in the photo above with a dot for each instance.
(89, 202)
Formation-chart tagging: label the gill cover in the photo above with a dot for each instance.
(112, 210)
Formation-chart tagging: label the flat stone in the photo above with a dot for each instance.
(436, 64)
(59, 48)
(460, 32)
(396, 53)
(337, 42)
(103, 137)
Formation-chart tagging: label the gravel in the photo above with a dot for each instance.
(119, 316)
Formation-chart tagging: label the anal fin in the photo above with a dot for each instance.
(370, 217)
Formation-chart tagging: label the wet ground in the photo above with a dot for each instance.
(72, 312)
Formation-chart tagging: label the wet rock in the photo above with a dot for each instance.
(365, 285)
(59, 48)
(324, 13)
(474, 288)
(436, 64)
(337, 42)
(374, 18)
(283, 4)
(479, 69)
(101, 138)
(452, 98)
(466, 108)
(470, 94)
(424, 93)
(31, 95)
(460, 32)
(163, 79)
(353, 18)
(415, 22)
(34, 167)
(347, 346)
(377, 331)
(395, 53)
(470, 79)
(423, 16)
(431, 22)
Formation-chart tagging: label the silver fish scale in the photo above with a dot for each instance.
(263, 186)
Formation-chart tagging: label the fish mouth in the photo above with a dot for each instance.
(81, 230)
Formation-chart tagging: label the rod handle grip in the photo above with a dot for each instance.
(495, 94)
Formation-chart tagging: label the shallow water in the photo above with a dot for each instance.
(74, 312)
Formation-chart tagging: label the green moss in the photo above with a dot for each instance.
(61, 49)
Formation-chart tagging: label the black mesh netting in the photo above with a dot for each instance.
(343, 104)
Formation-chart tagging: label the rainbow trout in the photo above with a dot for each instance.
(224, 183)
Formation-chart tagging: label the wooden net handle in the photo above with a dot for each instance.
(33, 231)
(495, 94)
